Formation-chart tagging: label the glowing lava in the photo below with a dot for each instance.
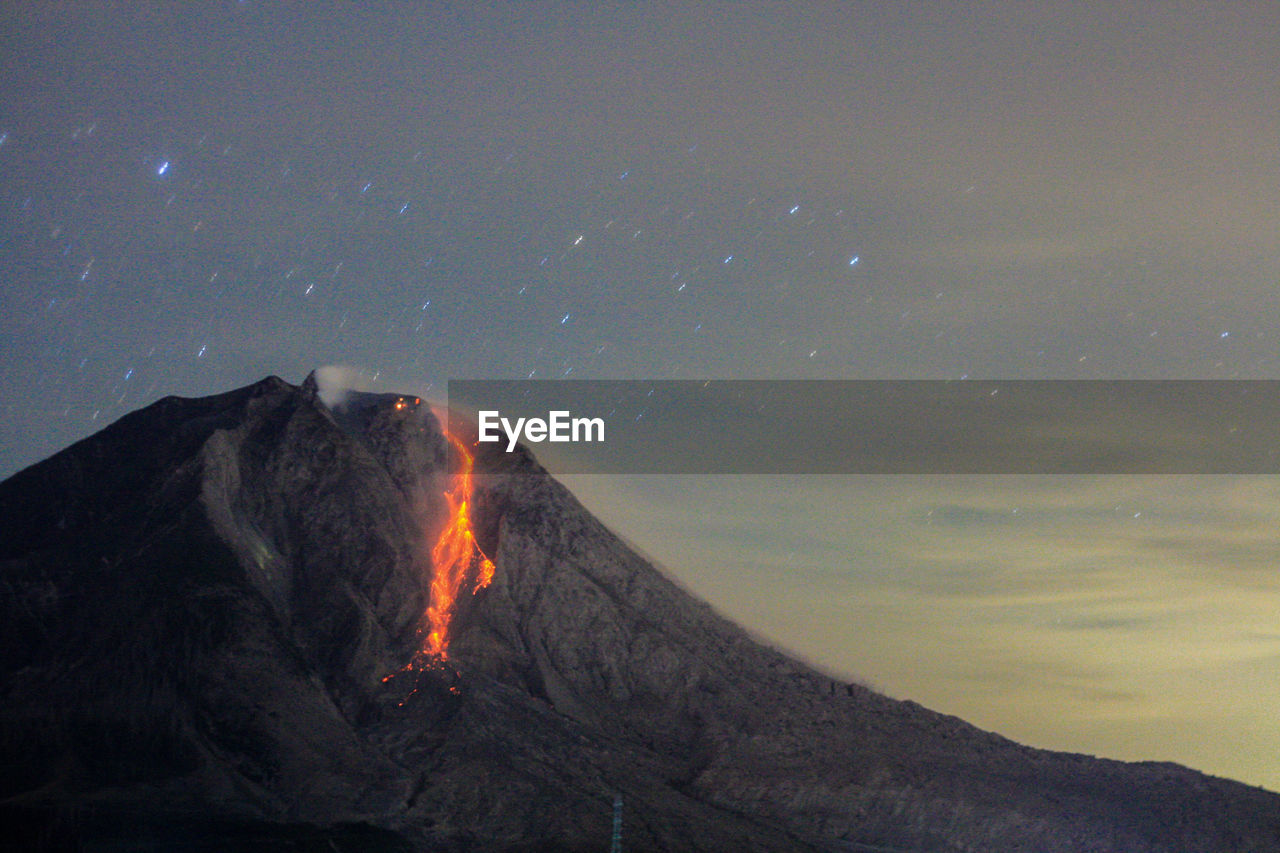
(455, 555)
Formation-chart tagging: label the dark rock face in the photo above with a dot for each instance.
(199, 606)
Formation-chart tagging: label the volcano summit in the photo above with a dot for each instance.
(257, 621)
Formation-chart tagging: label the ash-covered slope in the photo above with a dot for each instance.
(199, 607)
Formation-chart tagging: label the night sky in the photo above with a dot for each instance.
(196, 195)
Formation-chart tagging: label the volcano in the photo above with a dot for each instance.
(220, 633)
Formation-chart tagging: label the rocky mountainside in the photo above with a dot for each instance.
(212, 623)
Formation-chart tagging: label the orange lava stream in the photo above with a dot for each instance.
(454, 555)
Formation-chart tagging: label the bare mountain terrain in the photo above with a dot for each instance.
(212, 622)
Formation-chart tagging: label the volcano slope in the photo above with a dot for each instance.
(212, 629)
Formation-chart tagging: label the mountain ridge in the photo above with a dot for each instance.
(211, 607)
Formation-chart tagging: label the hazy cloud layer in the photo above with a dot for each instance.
(1098, 614)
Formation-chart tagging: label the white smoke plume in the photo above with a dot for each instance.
(335, 382)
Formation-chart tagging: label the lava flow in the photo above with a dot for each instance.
(455, 554)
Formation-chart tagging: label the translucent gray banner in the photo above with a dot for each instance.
(878, 427)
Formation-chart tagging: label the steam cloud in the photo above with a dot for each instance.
(336, 382)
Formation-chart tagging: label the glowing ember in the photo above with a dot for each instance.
(455, 555)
